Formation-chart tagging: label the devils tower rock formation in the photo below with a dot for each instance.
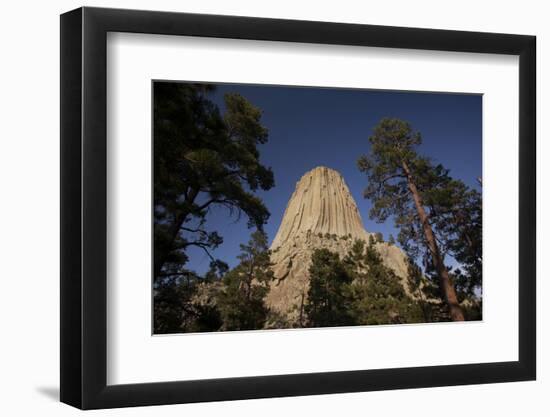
(320, 214)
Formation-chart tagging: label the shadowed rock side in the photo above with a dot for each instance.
(320, 214)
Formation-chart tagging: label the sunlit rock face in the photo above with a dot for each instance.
(321, 213)
(321, 203)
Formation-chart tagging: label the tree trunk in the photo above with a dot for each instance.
(445, 284)
(302, 311)
(174, 231)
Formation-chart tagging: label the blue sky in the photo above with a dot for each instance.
(309, 127)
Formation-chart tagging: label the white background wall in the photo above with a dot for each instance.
(29, 225)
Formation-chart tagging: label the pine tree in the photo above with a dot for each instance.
(399, 183)
(377, 293)
(328, 298)
(357, 290)
(202, 160)
(459, 220)
(242, 300)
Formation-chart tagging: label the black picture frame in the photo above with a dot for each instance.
(84, 207)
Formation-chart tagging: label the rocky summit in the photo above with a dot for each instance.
(321, 213)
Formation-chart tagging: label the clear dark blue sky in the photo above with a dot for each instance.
(309, 127)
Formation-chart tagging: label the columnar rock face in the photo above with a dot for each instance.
(321, 203)
(320, 214)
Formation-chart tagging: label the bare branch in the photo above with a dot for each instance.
(201, 245)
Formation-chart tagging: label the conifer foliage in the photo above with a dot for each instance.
(435, 213)
(242, 301)
(357, 290)
(203, 160)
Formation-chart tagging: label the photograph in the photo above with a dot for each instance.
(281, 207)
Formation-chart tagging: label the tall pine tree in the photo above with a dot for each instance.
(399, 182)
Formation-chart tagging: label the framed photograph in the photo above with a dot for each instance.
(257, 208)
